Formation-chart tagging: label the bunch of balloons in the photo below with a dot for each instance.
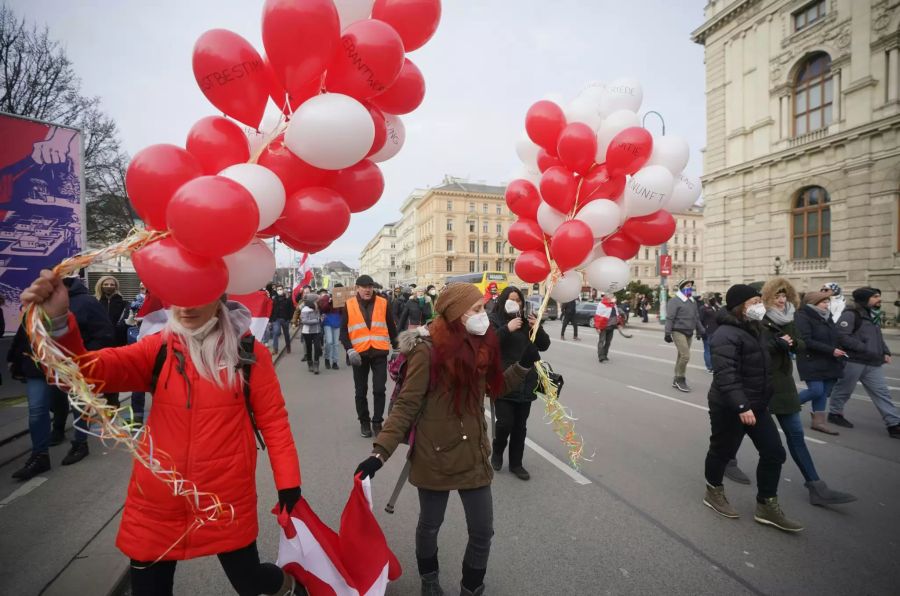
(594, 188)
(338, 71)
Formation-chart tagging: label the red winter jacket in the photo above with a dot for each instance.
(205, 435)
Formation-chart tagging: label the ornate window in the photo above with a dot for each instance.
(813, 95)
(811, 224)
(809, 14)
(449, 264)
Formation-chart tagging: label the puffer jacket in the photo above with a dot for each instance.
(866, 344)
(512, 345)
(785, 399)
(450, 452)
(817, 362)
(200, 430)
(414, 313)
(742, 365)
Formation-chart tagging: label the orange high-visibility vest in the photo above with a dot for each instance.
(363, 337)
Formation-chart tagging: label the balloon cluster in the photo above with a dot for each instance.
(338, 72)
(595, 187)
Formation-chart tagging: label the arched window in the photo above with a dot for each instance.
(813, 95)
(811, 224)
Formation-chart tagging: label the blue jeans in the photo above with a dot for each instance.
(332, 343)
(40, 401)
(793, 434)
(817, 392)
(707, 354)
(280, 326)
(872, 379)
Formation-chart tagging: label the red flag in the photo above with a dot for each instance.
(260, 306)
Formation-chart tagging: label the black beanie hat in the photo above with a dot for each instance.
(739, 294)
(861, 295)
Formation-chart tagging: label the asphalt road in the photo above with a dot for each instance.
(631, 523)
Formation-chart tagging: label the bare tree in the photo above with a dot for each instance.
(39, 81)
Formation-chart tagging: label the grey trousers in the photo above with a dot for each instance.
(683, 344)
(479, 507)
(872, 379)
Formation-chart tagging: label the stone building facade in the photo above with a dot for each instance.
(802, 163)
(379, 257)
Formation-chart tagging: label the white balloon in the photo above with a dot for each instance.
(396, 136)
(612, 125)
(567, 288)
(602, 216)
(670, 151)
(608, 274)
(350, 11)
(256, 138)
(648, 190)
(549, 218)
(330, 131)
(686, 192)
(624, 94)
(532, 175)
(585, 110)
(594, 91)
(264, 185)
(527, 151)
(250, 268)
(595, 254)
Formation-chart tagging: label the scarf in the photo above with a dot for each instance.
(781, 317)
(822, 312)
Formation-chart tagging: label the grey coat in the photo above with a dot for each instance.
(683, 316)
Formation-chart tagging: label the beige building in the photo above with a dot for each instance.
(379, 257)
(802, 163)
(685, 248)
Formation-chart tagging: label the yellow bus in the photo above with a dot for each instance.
(482, 280)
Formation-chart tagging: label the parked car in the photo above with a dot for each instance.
(533, 305)
(584, 314)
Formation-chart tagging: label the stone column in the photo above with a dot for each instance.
(836, 115)
(784, 113)
(893, 73)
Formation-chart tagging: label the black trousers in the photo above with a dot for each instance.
(479, 507)
(604, 341)
(566, 321)
(378, 365)
(313, 344)
(247, 575)
(512, 419)
(725, 439)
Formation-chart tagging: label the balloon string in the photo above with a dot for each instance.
(578, 190)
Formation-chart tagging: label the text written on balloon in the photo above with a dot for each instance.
(643, 192)
(230, 74)
(362, 67)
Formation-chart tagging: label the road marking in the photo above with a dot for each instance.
(892, 378)
(673, 345)
(705, 409)
(23, 490)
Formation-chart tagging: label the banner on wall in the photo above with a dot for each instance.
(41, 203)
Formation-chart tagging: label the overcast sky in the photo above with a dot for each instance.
(488, 61)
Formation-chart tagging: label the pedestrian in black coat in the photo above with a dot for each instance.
(567, 315)
(512, 410)
(416, 312)
(106, 291)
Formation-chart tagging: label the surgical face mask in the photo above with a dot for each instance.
(432, 292)
(687, 292)
(478, 324)
(756, 312)
(512, 307)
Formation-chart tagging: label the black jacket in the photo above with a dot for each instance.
(282, 308)
(820, 337)
(512, 345)
(860, 337)
(397, 305)
(742, 365)
(414, 314)
(116, 307)
(367, 307)
(708, 319)
(568, 310)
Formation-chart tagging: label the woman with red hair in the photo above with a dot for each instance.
(450, 368)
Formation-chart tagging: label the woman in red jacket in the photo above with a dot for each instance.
(200, 427)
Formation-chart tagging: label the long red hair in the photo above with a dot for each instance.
(461, 360)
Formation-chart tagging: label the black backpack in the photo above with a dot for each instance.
(246, 360)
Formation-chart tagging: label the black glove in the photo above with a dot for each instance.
(668, 338)
(701, 337)
(368, 467)
(529, 356)
(287, 498)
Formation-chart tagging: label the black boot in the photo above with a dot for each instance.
(78, 452)
(315, 367)
(365, 429)
(309, 365)
(327, 364)
(334, 365)
(429, 572)
(472, 581)
(497, 459)
(376, 428)
(37, 463)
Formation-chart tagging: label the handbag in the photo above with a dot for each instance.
(555, 377)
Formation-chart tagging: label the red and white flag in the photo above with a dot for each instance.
(153, 314)
(355, 561)
(260, 306)
(305, 275)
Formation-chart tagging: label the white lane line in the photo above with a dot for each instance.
(673, 345)
(704, 408)
(23, 490)
(567, 470)
(892, 378)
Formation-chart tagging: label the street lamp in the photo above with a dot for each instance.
(664, 247)
(777, 265)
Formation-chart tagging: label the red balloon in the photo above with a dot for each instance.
(232, 76)
(293, 172)
(544, 121)
(599, 184)
(213, 216)
(532, 266)
(300, 38)
(217, 143)
(407, 92)
(629, 151)
(153, 176)
(558, 188)
(315, 215)
(289, 103)
(545, 161)
(415, 20)
(302, 246)
(620, 245)
(572, 242)
(360, 185)
(178, 276)
(650, 230)
(267, 233)
(523, 199)
(367, 62)
(380, 129)
(577, 147)
(526, 234)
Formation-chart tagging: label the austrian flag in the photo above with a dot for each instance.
(355, 561)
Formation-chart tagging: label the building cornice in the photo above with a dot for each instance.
(724, 17)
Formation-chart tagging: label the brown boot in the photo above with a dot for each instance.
(819, 423)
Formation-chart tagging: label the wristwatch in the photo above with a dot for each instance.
(377, 456)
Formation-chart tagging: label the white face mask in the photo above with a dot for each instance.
(512, 307)
(756, 312)
(432, 293)
(478, 324)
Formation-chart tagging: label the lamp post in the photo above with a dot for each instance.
(777, 265)
(664, 247)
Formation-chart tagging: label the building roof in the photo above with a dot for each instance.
(459, 185)
(336, 266)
